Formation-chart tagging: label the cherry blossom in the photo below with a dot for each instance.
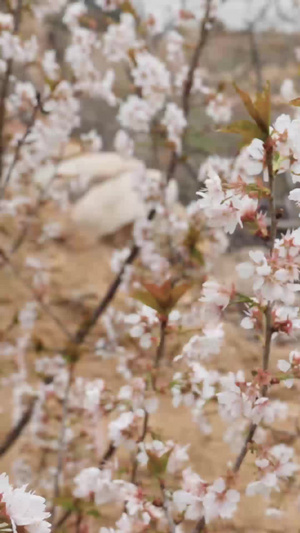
(24, 508)
(290, 367)
(274, 467)
(152, 77)
(120, 38)
(220, 501)
(135, 114)
(272, 280)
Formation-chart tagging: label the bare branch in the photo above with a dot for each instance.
(143, 436)
(166, 506)
(62, 520)
(255, 57)
(20, 144)
(268, 315)
(18, 429)
(61, 442)
(162, 341)
(5, 86)
(111, 450)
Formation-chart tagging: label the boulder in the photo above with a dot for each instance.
(91, 167)
(109, 206)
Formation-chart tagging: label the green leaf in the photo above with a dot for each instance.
(157, 465)
(247, 129)
(260, 109)
(147, 299)
(196, 254)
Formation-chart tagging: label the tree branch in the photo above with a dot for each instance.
(166, 507)
(268, 315)
(142, 438)
(85, 328)
(5, 85)
(255, 57)
(162, 341)
(61, 443)
(18, 429)
(111, 450)
(19, 147)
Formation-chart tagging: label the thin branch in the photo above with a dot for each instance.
(61, 442)
(200, 526)
(202, 39)
(62, 520)
(142, 438)
(78, 522)
(5, 85)
(42, 194)
(268, 315)
(254, 49)
(255, 57)
(20, 144)
(86, 327)
(18, 429)
(166, 507)
(240, 458)
(188, 85)
(111, 450)
(162, 342)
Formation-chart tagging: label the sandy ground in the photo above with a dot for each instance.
(81, 268)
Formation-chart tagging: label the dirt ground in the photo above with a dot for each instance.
(79, 275)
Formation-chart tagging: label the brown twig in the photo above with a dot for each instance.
(111, 450)
(19, 241)
(268, 316)
(5, 86)
(166, 507)
(78, 522)
(86, 327)
(188, 85)
(142, 438)
(255, 57)
(61, 442)
(162, 342)
(20, 144)
(18, 429)
(62, 520)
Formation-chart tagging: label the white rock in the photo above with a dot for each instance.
(100, 166)
(109, 206)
